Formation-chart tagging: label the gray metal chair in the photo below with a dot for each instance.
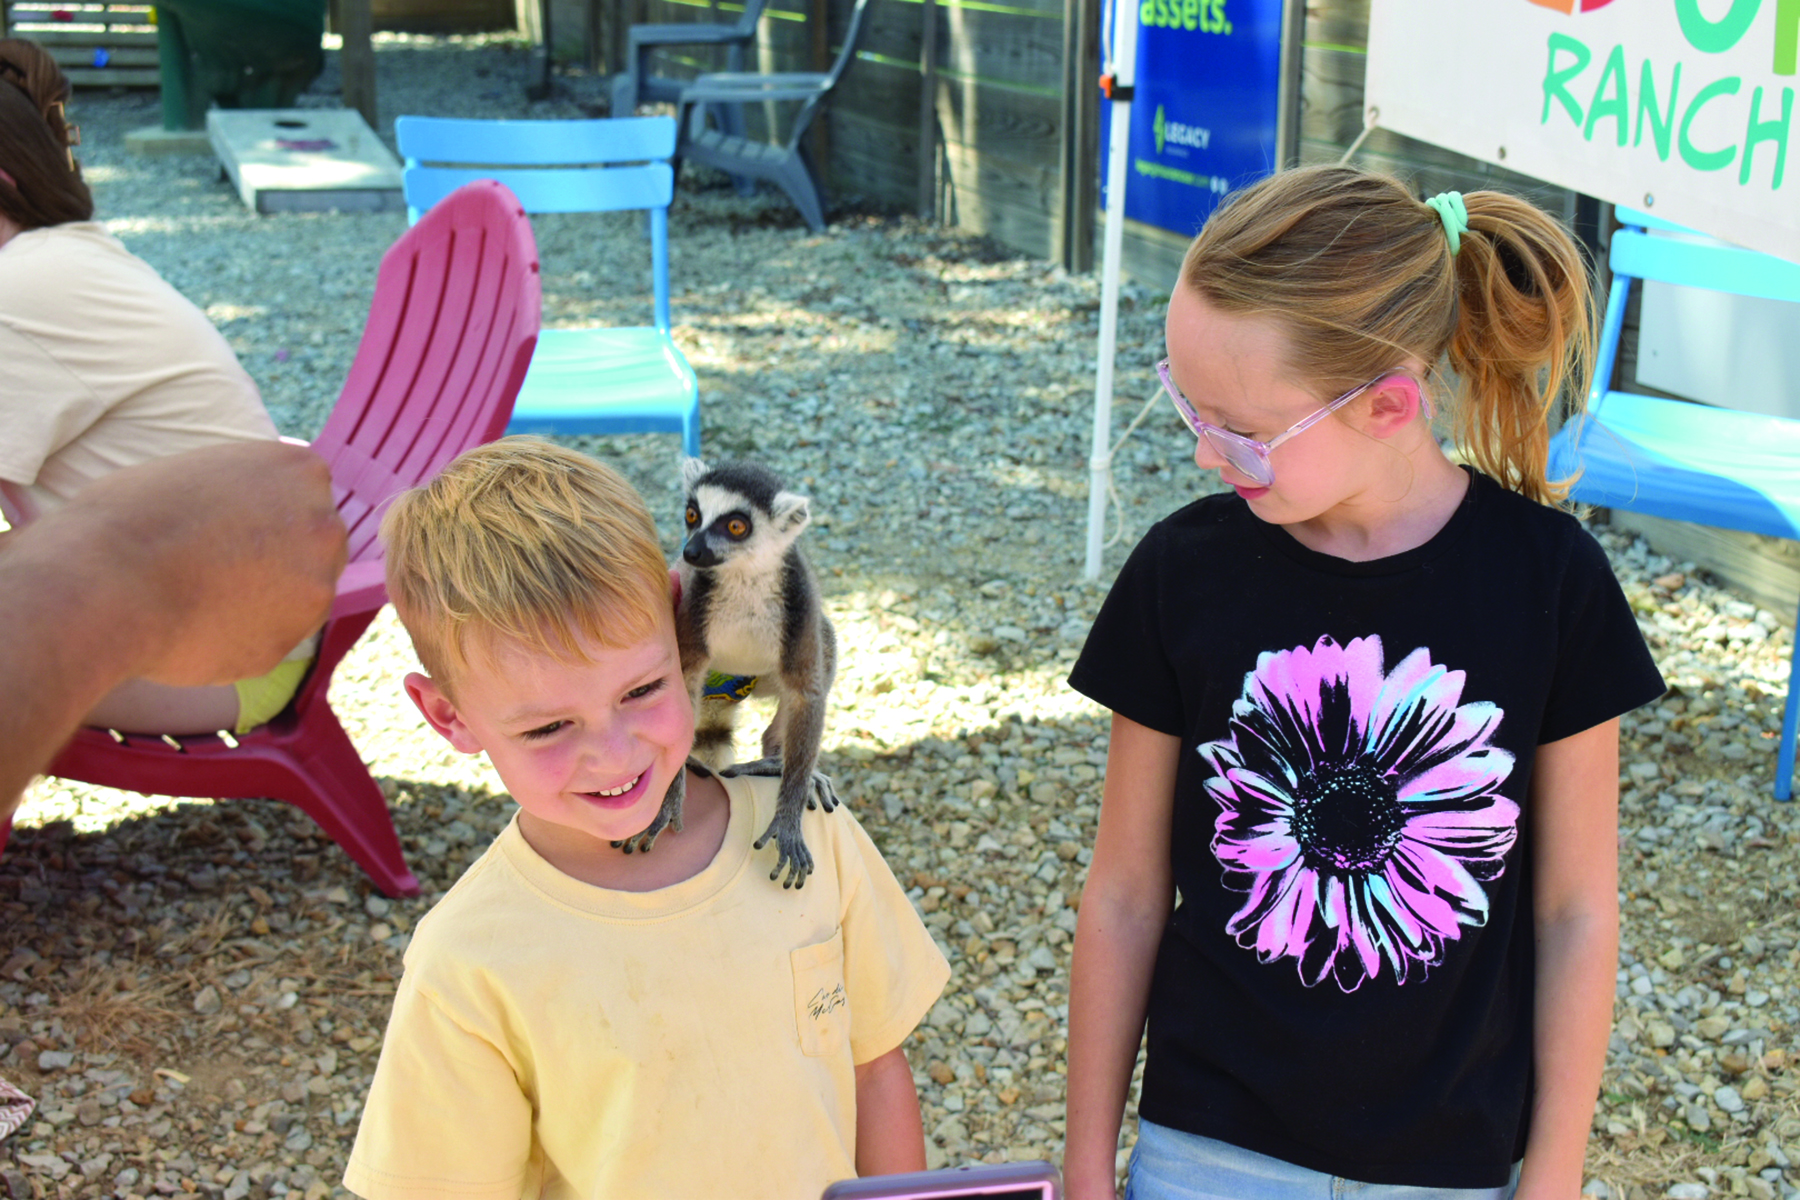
(636, 85)
(790, 165)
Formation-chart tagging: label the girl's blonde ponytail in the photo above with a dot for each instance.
(1524, 336)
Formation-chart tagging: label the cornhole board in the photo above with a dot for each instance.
(305, 160)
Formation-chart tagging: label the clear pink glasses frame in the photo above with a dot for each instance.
(1248, 456)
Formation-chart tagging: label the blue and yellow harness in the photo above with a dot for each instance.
(729, 688)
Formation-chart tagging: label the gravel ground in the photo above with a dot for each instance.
(195, 993)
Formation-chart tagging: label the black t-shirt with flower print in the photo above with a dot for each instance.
(1346, 982)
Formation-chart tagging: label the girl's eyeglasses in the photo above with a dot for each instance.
(1247, 456)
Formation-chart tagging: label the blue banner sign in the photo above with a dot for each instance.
(1203, 114)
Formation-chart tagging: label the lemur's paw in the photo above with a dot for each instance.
(761, 768)
(640, 843)
(667, 817)
(790, 851)
(824, 793)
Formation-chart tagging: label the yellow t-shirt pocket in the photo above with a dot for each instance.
(821, 1003)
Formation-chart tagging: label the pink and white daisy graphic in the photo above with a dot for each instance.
(1360, 811)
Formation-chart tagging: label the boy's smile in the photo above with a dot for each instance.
(622, 798)
(587, 749)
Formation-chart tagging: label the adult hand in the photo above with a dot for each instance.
(199, 568)
(231, 553)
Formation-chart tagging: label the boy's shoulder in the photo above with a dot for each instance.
(489, 898)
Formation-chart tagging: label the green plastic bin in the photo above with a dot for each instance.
(236, 53)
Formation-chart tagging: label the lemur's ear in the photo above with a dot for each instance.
(691, 469)
(791, 512)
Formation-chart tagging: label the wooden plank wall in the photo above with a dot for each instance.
(1015, 116)
(1333, 64)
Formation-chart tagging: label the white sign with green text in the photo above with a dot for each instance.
(1681, 107)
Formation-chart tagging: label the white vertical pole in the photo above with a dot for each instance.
(1122, 66)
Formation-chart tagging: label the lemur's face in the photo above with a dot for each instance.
(725, 525)
(720, 525)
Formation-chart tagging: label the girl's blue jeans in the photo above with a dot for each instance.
(1171, 1165)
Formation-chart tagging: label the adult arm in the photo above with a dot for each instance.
(197, 568)
(890, 1137)
(1124, 908)
(1575, 831)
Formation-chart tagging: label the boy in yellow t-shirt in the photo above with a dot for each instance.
(575, 1021)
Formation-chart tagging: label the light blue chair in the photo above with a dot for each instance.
(598, 380)
(1686, 461)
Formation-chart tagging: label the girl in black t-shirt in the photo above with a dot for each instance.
(1356, 864)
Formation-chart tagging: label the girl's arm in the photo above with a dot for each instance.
(1575, 831)
(890, 1138)
(1123, 910)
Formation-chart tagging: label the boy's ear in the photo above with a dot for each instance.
(1393, 403)
(440, 713)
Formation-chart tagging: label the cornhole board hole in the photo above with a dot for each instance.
(305, 160)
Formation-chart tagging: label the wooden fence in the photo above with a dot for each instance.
(1012, 113)
(1000, 92)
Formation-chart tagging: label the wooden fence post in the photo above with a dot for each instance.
(543, 59)
(1079, 166)
(928, 113)
(357, 59)
(1288, 70)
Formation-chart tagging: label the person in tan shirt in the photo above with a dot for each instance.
(104, 366)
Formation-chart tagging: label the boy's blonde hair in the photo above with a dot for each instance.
(522, 540)
(1360, 273)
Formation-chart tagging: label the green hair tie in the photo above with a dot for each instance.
(1454, 214)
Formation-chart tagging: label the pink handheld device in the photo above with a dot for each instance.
(985, 1181)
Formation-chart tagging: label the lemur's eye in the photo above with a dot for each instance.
(737, 527)
(693, 516)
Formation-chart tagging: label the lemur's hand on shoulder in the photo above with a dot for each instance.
(824, 793)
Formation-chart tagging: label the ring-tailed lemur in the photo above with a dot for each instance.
(750, 618)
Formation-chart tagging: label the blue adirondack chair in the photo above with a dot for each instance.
(597, 380)
(1685, 461)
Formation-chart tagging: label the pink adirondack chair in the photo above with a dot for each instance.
(451, 331)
